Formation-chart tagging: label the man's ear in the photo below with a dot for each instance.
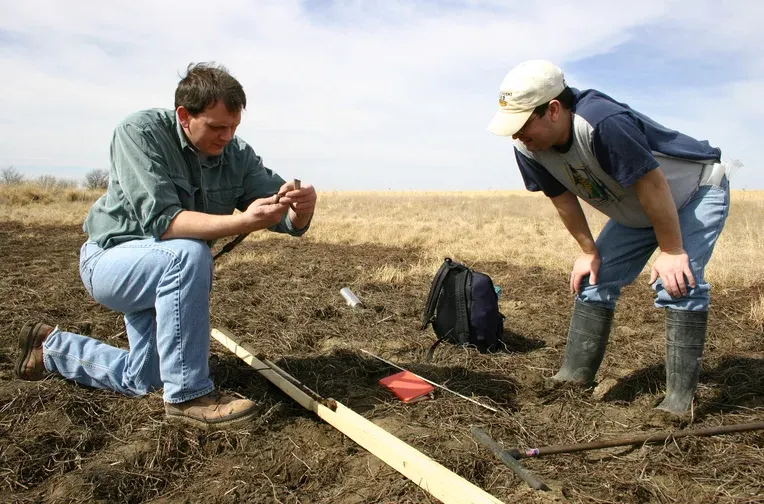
(555, 109)
(183, 116)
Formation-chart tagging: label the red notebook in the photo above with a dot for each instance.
(407, 386)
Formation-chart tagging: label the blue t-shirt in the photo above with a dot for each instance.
(610, 147)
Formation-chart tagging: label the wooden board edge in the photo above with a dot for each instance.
(433, 477)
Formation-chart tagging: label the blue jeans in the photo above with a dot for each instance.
(624, 252)
(163, 289)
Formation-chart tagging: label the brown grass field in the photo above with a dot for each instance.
(60, 442)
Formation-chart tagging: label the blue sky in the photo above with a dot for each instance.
(372, 94)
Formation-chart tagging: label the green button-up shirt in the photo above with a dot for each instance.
(156, 173)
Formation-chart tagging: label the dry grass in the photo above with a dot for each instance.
(34, 204)
(513, 226)
(516, 227)
(757, 310)
(64, 443)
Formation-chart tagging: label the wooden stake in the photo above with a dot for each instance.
(441, 483)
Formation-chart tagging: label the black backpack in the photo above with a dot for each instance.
(463, 308)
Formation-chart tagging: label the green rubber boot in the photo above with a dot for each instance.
(587, 339)
(685, 341)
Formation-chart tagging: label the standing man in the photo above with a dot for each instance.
(659, 187)
(176, 177)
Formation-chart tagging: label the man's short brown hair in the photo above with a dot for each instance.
(566, 99)
(207, 83)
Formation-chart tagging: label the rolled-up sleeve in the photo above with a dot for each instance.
(262, 182)
(144, 180)
(288, 227)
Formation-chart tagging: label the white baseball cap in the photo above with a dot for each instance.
(526, 86)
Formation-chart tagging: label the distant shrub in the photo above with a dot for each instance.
(11, 176)
(97, 179)
(51, 182)
(46, 181)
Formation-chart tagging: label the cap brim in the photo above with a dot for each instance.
(508, 123)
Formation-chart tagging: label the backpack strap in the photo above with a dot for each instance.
(435, 287)
(462, 313)
(431, 351)
(462, 325)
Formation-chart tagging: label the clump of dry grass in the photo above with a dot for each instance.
(757, 310)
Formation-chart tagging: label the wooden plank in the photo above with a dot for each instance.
(441, 483)
(245, 353)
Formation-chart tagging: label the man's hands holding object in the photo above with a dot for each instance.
(265, 212)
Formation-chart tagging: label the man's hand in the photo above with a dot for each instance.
(586, 264)
(573, 217)
(672, 267)
(672, 264)
(302, 200)
(263, 213)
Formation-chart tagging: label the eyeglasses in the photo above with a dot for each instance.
(532, 118)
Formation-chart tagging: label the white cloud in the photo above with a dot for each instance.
(368, 94)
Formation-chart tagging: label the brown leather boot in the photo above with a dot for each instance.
(212, 410)
(29, 365)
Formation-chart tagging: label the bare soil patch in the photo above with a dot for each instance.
(64, 443)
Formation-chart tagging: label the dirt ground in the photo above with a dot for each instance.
(60, 442)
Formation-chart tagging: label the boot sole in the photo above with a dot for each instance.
(212, 425)
(26, 344)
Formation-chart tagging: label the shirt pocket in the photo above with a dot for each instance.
(223, 201)
(186, 193)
